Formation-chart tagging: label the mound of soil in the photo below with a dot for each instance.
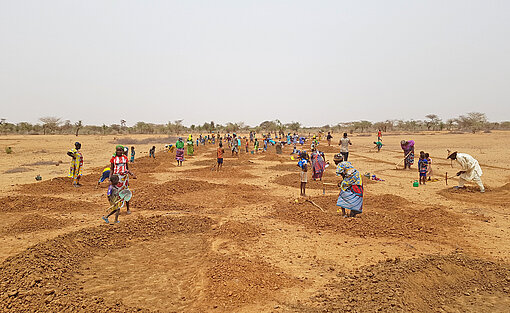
(231, 161)
(61, 185)
(228, 197)
(428, 284)
(293, 180)
(34, 222)
(236, 280)
(23, 203)
(227, 171)
(40, 278)
(239, 231)
(471, 194)
(383, 216)
(268, 156)
(166, 196)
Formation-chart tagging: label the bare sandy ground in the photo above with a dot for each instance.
(242, 240)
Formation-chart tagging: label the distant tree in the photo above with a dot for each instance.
(474, 121)
(450, 123)
(104, 129)
(24, 127)
(362, 125)
(123, 123)
(268, 126)
(294, 126)
(433, 121)
(50, 123)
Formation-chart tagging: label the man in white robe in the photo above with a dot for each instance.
(470, 169)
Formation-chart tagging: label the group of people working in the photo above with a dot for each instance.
(351, 187)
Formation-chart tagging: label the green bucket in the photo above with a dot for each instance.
(416, 183)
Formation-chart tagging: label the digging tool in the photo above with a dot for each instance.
(446, 177)
(396, 165)
(324, 188)
(315, 205)
(124, 196)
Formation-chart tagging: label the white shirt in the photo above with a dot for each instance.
(344, 144)
(470, 165)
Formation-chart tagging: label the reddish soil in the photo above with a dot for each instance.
(237, 241)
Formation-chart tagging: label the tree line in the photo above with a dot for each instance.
(470, 122)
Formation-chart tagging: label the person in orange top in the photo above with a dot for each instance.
(219, 154)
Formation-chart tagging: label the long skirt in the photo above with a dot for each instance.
(179, 154)
(190, 150)
(410, 158)
(351, 199)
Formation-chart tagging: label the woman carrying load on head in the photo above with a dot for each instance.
(119, 165)
(191, 149)
(408, 147)
(179, 152)
(76, 164)
(351, 187)
(318, 164)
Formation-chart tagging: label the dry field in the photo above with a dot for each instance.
(238, 241)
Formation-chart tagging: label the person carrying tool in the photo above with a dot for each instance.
(470, 170)
(113, 198)
(408, 147)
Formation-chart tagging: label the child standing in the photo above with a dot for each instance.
(152, 152)
(422, 167)
(247, 145)
(132, 154)
(256, 145)
(303, 165)
(219, 155)
(113, 198)
(429, 164)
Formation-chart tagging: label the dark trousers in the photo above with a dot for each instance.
(345, 155)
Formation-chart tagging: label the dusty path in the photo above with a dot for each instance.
(237, 240)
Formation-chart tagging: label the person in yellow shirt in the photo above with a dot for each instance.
(75, 171)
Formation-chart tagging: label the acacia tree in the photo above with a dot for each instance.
(433, 121)
(50, 123)
(473, 121)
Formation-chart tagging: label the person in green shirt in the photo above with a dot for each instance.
(379, 145)
(179, 154)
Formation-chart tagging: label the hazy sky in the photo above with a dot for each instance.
(317, 62)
